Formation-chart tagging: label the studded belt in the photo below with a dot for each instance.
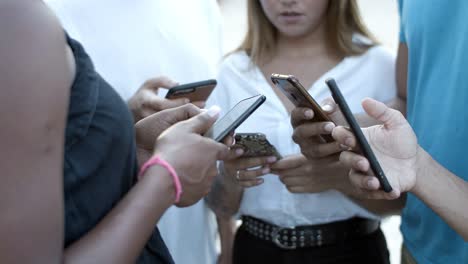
(309, 236)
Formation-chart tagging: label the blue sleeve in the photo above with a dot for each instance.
(402, 26)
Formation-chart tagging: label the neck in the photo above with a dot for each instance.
(309, 45)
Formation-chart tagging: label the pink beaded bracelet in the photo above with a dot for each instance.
(156, 160)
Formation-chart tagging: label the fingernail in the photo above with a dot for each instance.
(369, 184)
(361, 164)
(349, 142)
(309, 114)
(186, 101)
(214, 111)
(344, 147)
(259, 181)
(327, 108)
(266, 170)
(239, 152)
(329, 127)
(271, 159)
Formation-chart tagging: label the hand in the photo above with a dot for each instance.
(302, 175)
(395, 146)
(307, 134)
(246, 172)
(146, 102)
(148, 129)
(181, 145)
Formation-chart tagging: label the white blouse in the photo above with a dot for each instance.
(369, 75)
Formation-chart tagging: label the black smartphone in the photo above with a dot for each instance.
(361, 139)
(300, 97)
(197, 91)
(255, 145)
(235, 117)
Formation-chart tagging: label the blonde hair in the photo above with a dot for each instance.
(343, 21)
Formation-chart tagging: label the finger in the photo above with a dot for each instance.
(369, 186)
(354, 161)
(322, 150)
(160, 82)
(172, 103)
(289, 162)
(200, 104)
(250, 175)
(333, 111)
(202, 122)
(252, 183)
(381, 112)
(234, 153)
(300, 114)
(229, 140)
(246, 163)
(312, 130)
(344, 137)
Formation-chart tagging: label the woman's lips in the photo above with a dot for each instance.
(290, 17)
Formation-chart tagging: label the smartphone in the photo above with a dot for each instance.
(197, 91)
(255, 145)
(298, 95)
(235, 117)
(362, 142)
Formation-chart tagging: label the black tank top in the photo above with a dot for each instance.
(100, 156)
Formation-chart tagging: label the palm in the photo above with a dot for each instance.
(396, 149)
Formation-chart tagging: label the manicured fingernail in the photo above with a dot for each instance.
(309, 114)
(271, 159)
(349, 142)
(239, 152)
(327, 108)
(266, 170)
(329, 127)
(214, 111)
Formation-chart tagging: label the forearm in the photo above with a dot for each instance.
(442, 191)
(226, 229)
(121, 236)
(225, 195)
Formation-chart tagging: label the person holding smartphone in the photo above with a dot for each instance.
(428, 58)
(295, 206)
(130, 43)
(71, 189)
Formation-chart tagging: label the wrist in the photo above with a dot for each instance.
(160, 181)
(423, 164)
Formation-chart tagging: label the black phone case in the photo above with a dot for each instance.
(197, 91)
(258, 102)
(255, 145)
(363, 144)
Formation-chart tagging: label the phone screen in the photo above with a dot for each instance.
(235, 117)
(361, 139)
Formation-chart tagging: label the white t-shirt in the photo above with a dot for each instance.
(132, 41)
(369, 75)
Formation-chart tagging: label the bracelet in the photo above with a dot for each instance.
(156, 160)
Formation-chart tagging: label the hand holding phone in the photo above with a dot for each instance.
(255, 145)
(298, 95)
(362, 142)
(235, 117)
(195, 92)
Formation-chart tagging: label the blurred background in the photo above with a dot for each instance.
(381, 18)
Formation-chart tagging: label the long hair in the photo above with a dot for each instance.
(343, 22)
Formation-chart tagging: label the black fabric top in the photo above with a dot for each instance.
(100, 156)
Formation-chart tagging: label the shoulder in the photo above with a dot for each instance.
(379, 55)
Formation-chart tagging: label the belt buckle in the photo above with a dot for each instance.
(276, 236)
